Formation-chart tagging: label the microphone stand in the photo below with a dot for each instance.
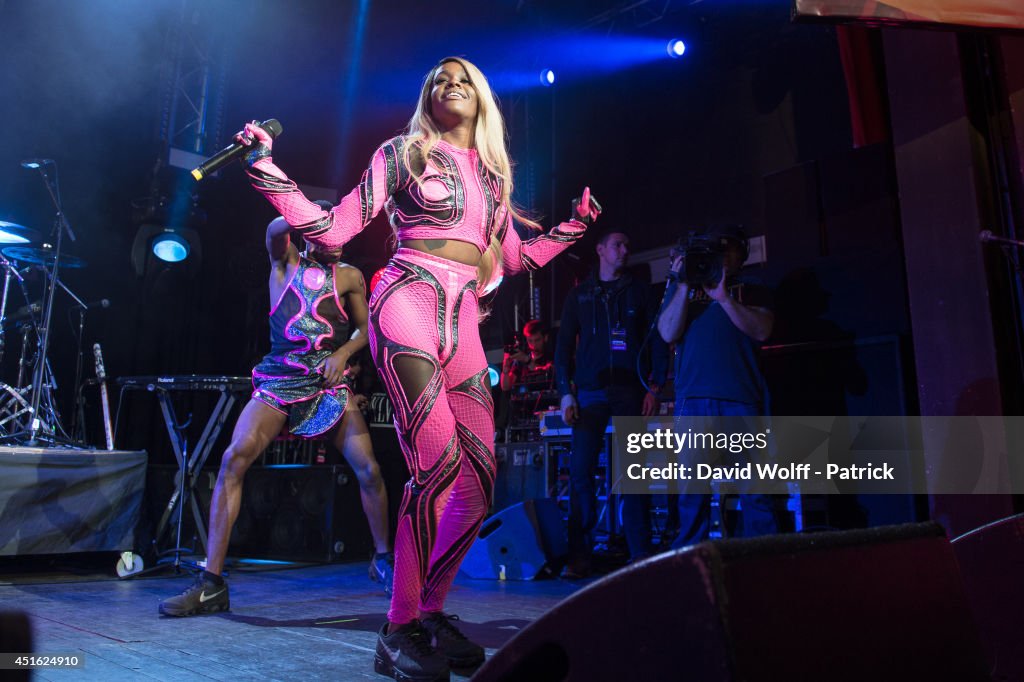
(53, 187)
(77, 421)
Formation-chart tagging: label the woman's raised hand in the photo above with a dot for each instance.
(585, 209)
(253, 133)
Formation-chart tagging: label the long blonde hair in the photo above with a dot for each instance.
(490, 141)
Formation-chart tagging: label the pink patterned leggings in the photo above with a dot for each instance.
(425, 340)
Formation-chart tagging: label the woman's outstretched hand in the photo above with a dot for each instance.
(585, 209)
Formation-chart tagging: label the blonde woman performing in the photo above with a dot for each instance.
(446, 186)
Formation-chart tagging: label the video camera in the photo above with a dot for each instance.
(704, 254)
(516, 345)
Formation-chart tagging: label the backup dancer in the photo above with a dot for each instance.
(318, 321)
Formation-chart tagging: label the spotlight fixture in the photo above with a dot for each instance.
(170, 247)
(167, 246)
(676, 48)
(494, 375)
(547, 77)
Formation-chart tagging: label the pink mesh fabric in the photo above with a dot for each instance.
(426, 308)
(456, 198)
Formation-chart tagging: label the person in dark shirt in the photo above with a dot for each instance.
(605, 328)
(718, 331)
(516, 365)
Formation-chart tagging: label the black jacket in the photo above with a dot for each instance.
(591, 309)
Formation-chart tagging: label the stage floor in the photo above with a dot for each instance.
(313, 622)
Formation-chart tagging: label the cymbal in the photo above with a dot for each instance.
(12, 233)
(28, 254)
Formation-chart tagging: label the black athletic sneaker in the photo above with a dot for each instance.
(406, 655)
(382, 570)
(203, 596)
(446, 638)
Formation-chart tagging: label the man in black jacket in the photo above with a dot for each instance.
(605, 326)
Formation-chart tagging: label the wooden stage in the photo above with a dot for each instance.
(286, 623)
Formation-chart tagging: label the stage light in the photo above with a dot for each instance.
(170, 247)
(493, 375)
(547, 77)
(676, 48)
(174, 247)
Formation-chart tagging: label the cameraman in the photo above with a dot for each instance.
(518, 362)
(604, 329)
(718, 325)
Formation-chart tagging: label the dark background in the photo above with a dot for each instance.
(751, 126)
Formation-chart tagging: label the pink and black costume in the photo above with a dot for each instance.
(425, 340)
(307, 324)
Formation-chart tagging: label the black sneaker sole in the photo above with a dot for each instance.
(385, 667)
(199, 611)
(465, 663)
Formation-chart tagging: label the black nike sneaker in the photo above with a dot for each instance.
(382, 570)
(459, 651)
(406, 655)
(202, 596)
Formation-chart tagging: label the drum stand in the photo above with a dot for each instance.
(12, 403)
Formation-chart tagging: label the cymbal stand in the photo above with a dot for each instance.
(36, 425)
(9, 270)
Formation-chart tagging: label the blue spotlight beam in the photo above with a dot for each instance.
(351, 85)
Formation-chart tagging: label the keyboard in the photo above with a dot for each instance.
(187, 382)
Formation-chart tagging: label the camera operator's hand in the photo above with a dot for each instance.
(718, 292)
(676, 266)
(519, 356)
(570, 410)
(651, 404)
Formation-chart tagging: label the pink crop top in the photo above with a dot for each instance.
(456, 198)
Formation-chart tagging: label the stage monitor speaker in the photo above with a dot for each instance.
(518, 543)
(880, 604)
(991, 560)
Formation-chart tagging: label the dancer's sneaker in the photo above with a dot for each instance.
(202, 596)
(449, 640)
(406, 655)
(382, 570)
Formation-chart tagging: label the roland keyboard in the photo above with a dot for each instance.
(187, 382)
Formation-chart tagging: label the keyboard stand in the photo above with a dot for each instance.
(189, 466)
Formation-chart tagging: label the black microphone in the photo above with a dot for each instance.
(232, 152)
(987, 236)
(102, 303)
(35, 163)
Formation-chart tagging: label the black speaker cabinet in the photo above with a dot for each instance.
(521, 474)
(880, 604)
(291, 513)
(16, 638)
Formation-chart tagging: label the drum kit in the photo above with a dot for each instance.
(28, 409)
